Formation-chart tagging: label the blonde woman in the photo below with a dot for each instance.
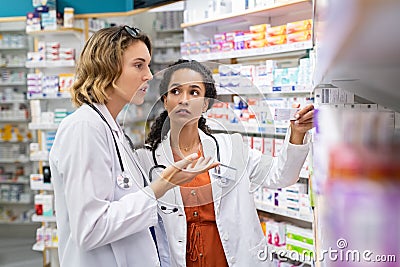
(105, 208)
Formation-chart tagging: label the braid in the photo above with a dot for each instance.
(203, 126)
(158, 130)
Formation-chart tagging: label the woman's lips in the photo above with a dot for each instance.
(183, 111)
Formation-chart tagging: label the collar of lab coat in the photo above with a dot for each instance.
(164, 157)
(164, 151)
(104, 111)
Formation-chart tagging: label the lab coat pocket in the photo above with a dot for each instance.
(260, 252)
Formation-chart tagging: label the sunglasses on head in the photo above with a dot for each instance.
(133, 32)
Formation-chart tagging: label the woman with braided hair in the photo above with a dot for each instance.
(212, 220)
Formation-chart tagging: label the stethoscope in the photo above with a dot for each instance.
(160, 166)
(124, 181)
(223, 182)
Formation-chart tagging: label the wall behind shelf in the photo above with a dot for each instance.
(21, 7)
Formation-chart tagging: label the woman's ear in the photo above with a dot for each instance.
(164, 100)
(205, 105)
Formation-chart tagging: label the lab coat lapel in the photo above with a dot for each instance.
(164, 157)
(210, 149)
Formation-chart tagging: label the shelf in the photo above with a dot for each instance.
(15, 182)
(39, 158)
(12, 161)
(42, 247)
(15, 203)
(12, 101)
(353, 56)
(12, 83)
(17, 223)
(271, 91)
(15, 142)
(168, 30)
(13, 48)
(50, 64)
(12, 66)
(62, 31)
(248, 15)
(13, 120)
(167, 45)
(270, 130)
(42, 126)
(283, 212)
(40, 218)
(299, 47)
(44, 96)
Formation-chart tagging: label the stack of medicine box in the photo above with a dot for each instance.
(300, 240)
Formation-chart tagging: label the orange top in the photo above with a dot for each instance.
(204, 246)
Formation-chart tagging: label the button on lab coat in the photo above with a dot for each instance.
(99, 223)
(235, 211)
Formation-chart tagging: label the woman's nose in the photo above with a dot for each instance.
(148, 76)
(184, 98)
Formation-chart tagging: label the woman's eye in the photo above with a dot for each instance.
(174, 91)
(195, 93)
(139, 66)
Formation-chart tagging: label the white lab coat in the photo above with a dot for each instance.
(236, 216)
(99, 223)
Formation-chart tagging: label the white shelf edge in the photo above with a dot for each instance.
(50, 64)
(12, 101)
(40, 218)
(266, 90)
(279, 211)
(12, 83)
(13, 120)
(174, 45)
(254, 52)
(14, 182)
(42, 126)
(222, 17)
(13, 48)
(12, 66)
(16, 160)
(42, 247)
(43, 96)
(16, 223)
(267, 129)
(15, 203)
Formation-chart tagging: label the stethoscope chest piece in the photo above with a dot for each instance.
(124, 181)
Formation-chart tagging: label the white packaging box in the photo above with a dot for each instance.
(276, 233)
(278, 143)
(39, 204)
(48, 232)
(268, 146)
(258, 144)
(40, 236)
(47, 205)
(248, 140)
(268, 196)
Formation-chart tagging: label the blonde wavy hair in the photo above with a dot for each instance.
(100, 64)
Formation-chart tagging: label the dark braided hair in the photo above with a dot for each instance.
(161, 126)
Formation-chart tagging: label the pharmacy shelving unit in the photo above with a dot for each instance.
(168, 36)
(279, 13)
(351, 55)
(16, 200)
(45, 129)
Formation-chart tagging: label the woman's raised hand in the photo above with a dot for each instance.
(182, 172)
